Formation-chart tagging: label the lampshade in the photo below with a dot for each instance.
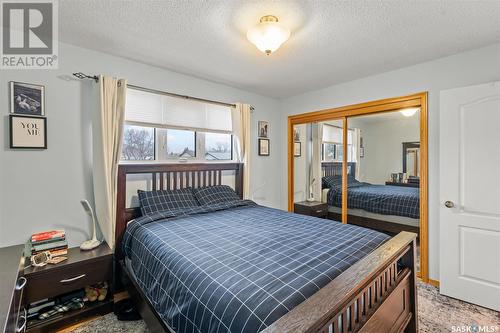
(408, 112)
(268, 35)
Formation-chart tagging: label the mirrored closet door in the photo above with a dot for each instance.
(317, 157)
(365, 165)
(383, 191)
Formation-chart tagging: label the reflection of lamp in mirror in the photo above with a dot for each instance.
(409, 112)
(311, 191)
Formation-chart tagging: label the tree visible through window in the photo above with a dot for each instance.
(138, 143)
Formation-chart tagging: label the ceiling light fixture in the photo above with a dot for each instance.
(408, 112)
(268, 35)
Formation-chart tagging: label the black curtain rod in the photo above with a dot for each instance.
(82, 76)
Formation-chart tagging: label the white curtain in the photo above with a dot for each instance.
(357, 151)
(317, 136)
(107, 133)
(241, 130)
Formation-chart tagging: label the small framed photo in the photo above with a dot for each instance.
(394, 177)
(263, 129)
(296, 135)
(28, 132)
(361, 152)
(297, 149)
(27, 99)
(263, 147)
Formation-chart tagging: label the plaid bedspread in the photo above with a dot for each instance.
(379, 199)
(238, 267)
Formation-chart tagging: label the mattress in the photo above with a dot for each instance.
(379, 199)
(238, 267)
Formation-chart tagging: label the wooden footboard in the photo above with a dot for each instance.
(377, 294)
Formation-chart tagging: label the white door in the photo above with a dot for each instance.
(470, 194)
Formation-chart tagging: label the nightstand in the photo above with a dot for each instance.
(12, 283)
(403, 184)
(311, 208)
(82, 268)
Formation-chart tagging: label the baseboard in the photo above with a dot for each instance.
(434, 283)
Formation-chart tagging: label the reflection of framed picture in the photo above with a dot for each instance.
(263, 147)
(28, 132)
(263, 129)
(28, 99)
(297, 147)
(296, 135)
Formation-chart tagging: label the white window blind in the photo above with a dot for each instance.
(164, 111)
(333, 134)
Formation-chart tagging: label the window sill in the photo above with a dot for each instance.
(178, 162)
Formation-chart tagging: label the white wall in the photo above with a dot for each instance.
(469, 68)
(301, 166)
(42, 189)
(382, 141)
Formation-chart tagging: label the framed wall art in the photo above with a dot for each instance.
(297, 149)
(296, 135)
(28, 132)
(263, 147)
(263, 129)
(27, 99)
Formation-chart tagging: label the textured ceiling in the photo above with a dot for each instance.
(331, 42)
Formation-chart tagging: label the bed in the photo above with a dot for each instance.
(240, 267)
(371, 205)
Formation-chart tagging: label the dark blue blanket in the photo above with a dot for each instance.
(379, 199)
(238, 267)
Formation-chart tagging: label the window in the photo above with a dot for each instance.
(332, 147)
(329, 152)
(159, 128)
(178, 144)
(218, 146)
(138, 143)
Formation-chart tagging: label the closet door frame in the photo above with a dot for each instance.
(378, 106)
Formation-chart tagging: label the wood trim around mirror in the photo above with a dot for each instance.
(373, 107)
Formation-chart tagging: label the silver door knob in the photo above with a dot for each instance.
(449, 204)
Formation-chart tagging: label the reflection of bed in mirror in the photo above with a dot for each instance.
(382, 207)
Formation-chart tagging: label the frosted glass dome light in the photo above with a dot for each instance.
(268, 35)
(408, 112)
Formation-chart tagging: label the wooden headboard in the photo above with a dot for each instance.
(168, 177)
(335, 169)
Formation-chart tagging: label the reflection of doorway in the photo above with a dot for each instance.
(417, 158)
(411, 158)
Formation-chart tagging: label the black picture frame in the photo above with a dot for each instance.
(12, 129)
(27, 99)
(264, 147)
(296, 135)
(297, 146)
(263, 129)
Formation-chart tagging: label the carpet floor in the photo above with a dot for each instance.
(437, 313)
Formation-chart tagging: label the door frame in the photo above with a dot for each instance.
(366, 108)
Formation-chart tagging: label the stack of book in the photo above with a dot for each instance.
(53, 241)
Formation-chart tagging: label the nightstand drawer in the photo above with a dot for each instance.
(319, 212)
(68, 278)
(311, 208)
